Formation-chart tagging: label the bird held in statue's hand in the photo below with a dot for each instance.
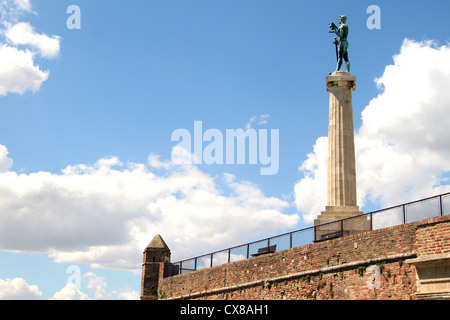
(332, 26)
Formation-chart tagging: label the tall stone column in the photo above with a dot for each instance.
(341, 189)
(341, 143)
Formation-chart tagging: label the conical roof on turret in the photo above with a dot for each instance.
(158, 242)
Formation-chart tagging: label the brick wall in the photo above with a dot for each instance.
(334, 269)
(433, 236)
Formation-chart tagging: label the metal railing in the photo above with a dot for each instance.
(401, 214)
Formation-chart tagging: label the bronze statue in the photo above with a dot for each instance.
(341, 41)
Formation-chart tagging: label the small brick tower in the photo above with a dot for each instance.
(156, 265)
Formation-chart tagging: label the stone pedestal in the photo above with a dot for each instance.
(331, 224)
(341, 188)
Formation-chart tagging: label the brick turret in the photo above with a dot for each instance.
(156, 265)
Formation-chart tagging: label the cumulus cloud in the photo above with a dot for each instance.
(311, 191)
(70, 292)
(403, 144)
(18, 289)
(13, 10)
(23, 5)
(105, 213)
(22, 33)
(20, 47)
(98, 285)
(5, 162)
(18, 73)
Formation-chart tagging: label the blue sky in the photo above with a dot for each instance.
(85, 164)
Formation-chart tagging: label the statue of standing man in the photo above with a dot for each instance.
(342, 33)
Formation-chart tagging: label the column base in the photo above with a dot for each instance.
(328, 224)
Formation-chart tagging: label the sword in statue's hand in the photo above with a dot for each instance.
(336, 43)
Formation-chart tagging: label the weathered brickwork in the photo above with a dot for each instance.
(433, 236)
(334, 269)
(395, 283)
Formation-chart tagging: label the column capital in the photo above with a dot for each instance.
(341, 79)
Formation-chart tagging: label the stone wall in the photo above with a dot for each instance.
(377, 264)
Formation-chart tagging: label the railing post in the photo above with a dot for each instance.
(440, 206)
(181, 267)
(229, 255)
(211, 264)
(195, 264)
(290, 240)
(371, 221)
(404, 213)
(248, 250)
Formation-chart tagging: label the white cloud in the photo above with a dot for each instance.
(12, 10)
(70, 292)
(259, 120)
(311, 191)
(106, 213)
(154, 161)
(5, 162)
(23, 5)
(18, 289)
(403, 145)
(128, 295)
(22, 33)
(19, 71)
(98, 285)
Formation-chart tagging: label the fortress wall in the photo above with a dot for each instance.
(344, 268)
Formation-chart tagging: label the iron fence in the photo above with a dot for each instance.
(401, 214)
